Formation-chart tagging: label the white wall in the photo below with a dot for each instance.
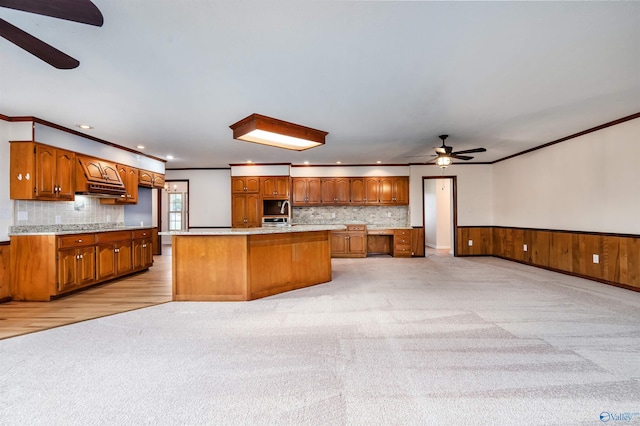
(474, 184)
(8, 132)
(589, 183)
(438, 226)
(209, 196)
(260, 170)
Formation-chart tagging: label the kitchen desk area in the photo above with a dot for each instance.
(238, 264)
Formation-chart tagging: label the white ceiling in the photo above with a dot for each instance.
(383, 78)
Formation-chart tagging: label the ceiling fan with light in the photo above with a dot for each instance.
(444, 154)
(82, 11)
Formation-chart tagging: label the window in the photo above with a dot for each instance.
(177, 211)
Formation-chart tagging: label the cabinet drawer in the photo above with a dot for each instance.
(109, 237)
(402, 233)
(356, 227)
(141, 233)
(401, 241)
(380, 231)
(76, 240)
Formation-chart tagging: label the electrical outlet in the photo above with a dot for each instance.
(525, 247)
(333, 215)
(470, 243)
(58, 220)
(596, 258)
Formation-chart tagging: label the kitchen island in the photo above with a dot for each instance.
(234, 264)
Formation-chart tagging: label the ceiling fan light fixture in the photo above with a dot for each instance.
(269, 131)
(443, 161)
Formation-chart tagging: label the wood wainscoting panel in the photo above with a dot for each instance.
(480, 237)
(203, 266)
(314, 246)
(571, 252)
(417, 242)
(5, 277)
(31, 276)
(560, 251)
(584, 247)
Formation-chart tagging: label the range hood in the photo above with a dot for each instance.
(98, 178)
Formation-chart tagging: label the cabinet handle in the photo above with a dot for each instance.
(81, 257)
(78, 241)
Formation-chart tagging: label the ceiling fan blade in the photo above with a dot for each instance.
(469, 151)
(83, 11)
(37, 47)
(461, 157)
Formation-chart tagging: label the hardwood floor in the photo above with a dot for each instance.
(141, 290)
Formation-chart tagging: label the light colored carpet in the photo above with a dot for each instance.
(440, 340)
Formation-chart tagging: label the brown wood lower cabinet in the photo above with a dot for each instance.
(5, 276)
(51, 265)
(349, 243)
(617, 262)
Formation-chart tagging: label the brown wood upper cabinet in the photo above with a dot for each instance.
(306, 192)
(387, 191)
(150, 179)
(275, 187)
(130, 176)
(246, 210)
(335, 191)
(41, 172)
(246, 184)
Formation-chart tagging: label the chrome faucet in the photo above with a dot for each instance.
(285, 204)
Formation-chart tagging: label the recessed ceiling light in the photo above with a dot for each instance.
(170, 157)
(140, 146)
(338, 162)
(306, 162)
(85, 126)
(249, 161)
(378, 162)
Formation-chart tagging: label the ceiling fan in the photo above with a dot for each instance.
(82, 11)
(444, 154)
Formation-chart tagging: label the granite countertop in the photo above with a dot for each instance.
(53, 230)
(257, 231)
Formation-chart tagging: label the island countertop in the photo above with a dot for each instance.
(256, 231)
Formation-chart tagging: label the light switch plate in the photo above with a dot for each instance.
(525, 247)
(596, 258)
(23, 215)
(470, 243)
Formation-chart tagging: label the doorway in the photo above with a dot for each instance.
(439, 207)
(175, 208)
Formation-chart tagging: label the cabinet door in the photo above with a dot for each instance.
(130, 178)
(93, 170)
(401, 190)
(106, 261)
(268, 187)
(299, 191)
(282, 187)
(371, 191)
(245, 210)
(142, 254)
(67, 271)
(328, 187)
(65, 174)
(45, 172)
(385, 191)
(86, 262)
(238, 208)
(342, 188)
(145, 179)
(110, 173)
(338, 243)
(356, 190)
(245, 184)
(158, 181)
(123, 257)
(357, 243)
(252, 212)
(314, 191)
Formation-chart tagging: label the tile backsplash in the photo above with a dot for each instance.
(84, 210)
(393, 216)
